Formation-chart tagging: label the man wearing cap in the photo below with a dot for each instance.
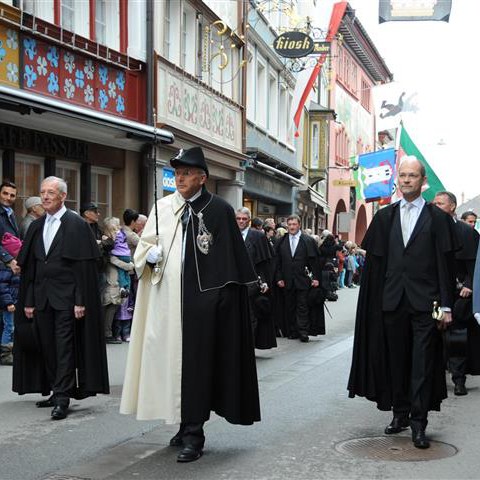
(33, 206)
(191, 349)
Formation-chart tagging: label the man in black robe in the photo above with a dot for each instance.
(59, 345)
(397, 353)
(463, 336)
(259, 293)
(200, 241)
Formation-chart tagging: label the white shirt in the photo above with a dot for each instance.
(244, 233)
(55, 226)
(297, 239)
(416, 209)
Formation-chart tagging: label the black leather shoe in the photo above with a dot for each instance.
(304, 338)
(59, 412)
(189, 454)
(460, 389)
(397, 425)
(45, 403)
(419, 439)
(177, 440)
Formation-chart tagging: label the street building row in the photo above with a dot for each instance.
(104, 92)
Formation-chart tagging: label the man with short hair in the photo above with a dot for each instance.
(470, 218)
(463, 335)
(297, 272)
(397, 355)
(59, 296)
(140, 224)
(33, 206)
(191, 347)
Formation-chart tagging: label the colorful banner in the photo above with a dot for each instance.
(408, 147)
(375, 174)
(414, 10)
(9, 57)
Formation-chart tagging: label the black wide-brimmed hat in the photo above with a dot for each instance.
(193, 157)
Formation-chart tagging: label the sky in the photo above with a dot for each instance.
(437, 58)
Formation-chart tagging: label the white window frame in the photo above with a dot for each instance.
(273, 102)
(99, 6)
(315, 147)
(137, 36)
(251, 83)
(43, 9)
(20, 157)
(109, 173)
(77, 168)
(113, 23)
(282, 123)
(261, 74)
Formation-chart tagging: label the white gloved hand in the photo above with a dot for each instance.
(154, 255)
(477, 317)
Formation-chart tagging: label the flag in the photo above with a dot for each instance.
(414, 10)
(306, 79)
(393, 102)
(408, 148)
(375, 174)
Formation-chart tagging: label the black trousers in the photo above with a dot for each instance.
(410, 338)
(296, 307)
(192, 434)
(56, 335)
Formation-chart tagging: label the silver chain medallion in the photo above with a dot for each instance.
(204, 237)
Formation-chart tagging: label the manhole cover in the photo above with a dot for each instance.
(397, 449)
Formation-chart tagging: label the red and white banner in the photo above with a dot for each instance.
(306, 79)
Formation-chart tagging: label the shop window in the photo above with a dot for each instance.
(101, 181)
(28, 176)
(70, 172)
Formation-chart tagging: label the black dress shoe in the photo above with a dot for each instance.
(177, 440)
(304, 338)
(189, 454)
(397, 425)
(460, 389)
(45, 403)
(419, 439)
(59, 412)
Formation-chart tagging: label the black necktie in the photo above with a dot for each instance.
(185, 217)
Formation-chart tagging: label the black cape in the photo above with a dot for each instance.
(462, 310)
(262, 311)
(29, 374)
(369, 375)
(218, 357)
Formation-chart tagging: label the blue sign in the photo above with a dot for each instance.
(169, 180)
(376, 174)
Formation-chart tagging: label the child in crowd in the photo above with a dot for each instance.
(9, 284)
(121, 250)
(122, 323)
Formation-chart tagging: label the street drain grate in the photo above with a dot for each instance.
(396, 449)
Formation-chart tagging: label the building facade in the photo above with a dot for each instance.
(73, 83)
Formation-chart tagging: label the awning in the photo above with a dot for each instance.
(12, 100)
(313, 196)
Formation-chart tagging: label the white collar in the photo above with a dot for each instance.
(57, 215)
(419, 202)
(192, 199)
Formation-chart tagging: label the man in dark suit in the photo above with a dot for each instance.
(59, 294)
(259, 293)
(463, 336)
(297, 272)
(397, 357)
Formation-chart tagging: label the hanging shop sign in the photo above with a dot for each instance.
(293, 44)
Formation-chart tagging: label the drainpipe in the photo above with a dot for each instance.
(146, 188)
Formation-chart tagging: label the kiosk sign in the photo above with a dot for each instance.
(293, 44)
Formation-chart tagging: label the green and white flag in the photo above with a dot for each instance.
(407, 147)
